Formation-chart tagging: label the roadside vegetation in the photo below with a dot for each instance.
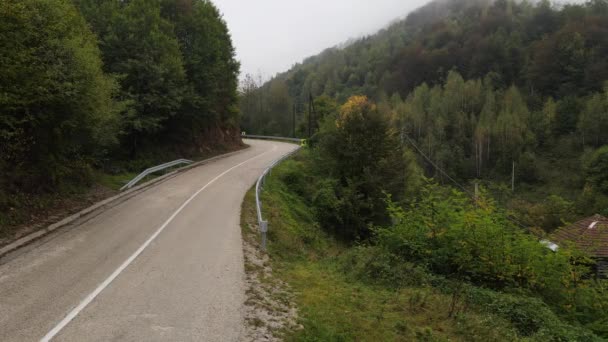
(95, 91)
(374, 254)
(507, 97)
(482, 88)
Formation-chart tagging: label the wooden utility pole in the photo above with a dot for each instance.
(310, 114)
(513, 178)
(309, 120)
(314, 117)
(293, 121)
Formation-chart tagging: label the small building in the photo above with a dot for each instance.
(589, 235)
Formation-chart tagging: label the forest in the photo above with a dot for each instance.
(108, 87)
(441, 151)
(482, 92)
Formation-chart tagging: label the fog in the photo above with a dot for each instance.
(272, 35)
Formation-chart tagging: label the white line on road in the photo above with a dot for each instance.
(124, 265)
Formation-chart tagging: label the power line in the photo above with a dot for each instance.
(435, 165)
(464, 189)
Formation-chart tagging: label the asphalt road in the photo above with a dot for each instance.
(166, 265)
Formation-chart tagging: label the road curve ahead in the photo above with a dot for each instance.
(166, 265)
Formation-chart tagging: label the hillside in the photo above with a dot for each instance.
(543, 49)
(450, 276)
(477, 86)
(441, 151)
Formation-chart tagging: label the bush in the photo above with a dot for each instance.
(530, 316)
(359, 157)
(550, 214)
(452, 237)
(375, 265)
(441, 247)
(597, 170)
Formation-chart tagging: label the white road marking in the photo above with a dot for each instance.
(70, 316)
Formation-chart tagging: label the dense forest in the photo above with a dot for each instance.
(109, 86)
(480, 90)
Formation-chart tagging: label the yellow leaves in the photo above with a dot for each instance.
(354, 108)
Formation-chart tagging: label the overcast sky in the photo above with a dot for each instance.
(272, 35)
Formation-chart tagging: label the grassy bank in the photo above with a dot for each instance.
(347, 293)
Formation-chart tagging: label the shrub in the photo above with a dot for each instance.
(375, 264)
(597, 170)
(361, 157)
(451, 236)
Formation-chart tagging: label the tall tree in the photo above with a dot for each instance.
(210, 101)
(362, 156)
(140, 47)
(56, 108)
(512, 125)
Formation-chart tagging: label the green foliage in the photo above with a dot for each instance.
(139, 46)
(477, 88)
(211, 69)
(177, 70)
(56, 108)
(158, 80)
(549, 214)
(372, 292)
(361, 158)
(477, 85)
(544, 50)
(450, 236)
(325, 106)
(271, 109)
(530, 316)
(593, 121)
(597, 170)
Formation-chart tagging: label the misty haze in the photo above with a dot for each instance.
(196, 170)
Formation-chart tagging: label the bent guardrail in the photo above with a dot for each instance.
(155, 169)
(259, 186)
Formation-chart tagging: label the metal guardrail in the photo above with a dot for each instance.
(266, 137)
(259, 186)
(155, 169)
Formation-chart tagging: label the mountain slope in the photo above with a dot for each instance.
(543, 49)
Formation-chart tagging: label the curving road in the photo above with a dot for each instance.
(165, 265)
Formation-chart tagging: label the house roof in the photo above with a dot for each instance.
(590, 235)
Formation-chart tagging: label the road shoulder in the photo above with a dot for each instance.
(36, 232)
(269, 310)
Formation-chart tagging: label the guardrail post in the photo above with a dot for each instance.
(264, 230)
(263, 224)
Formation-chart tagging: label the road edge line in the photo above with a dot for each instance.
(104, 205)
(89, 298)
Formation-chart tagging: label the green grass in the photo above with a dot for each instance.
(335, 306)
(115, 182)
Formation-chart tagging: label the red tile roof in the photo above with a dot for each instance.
(590, 235)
